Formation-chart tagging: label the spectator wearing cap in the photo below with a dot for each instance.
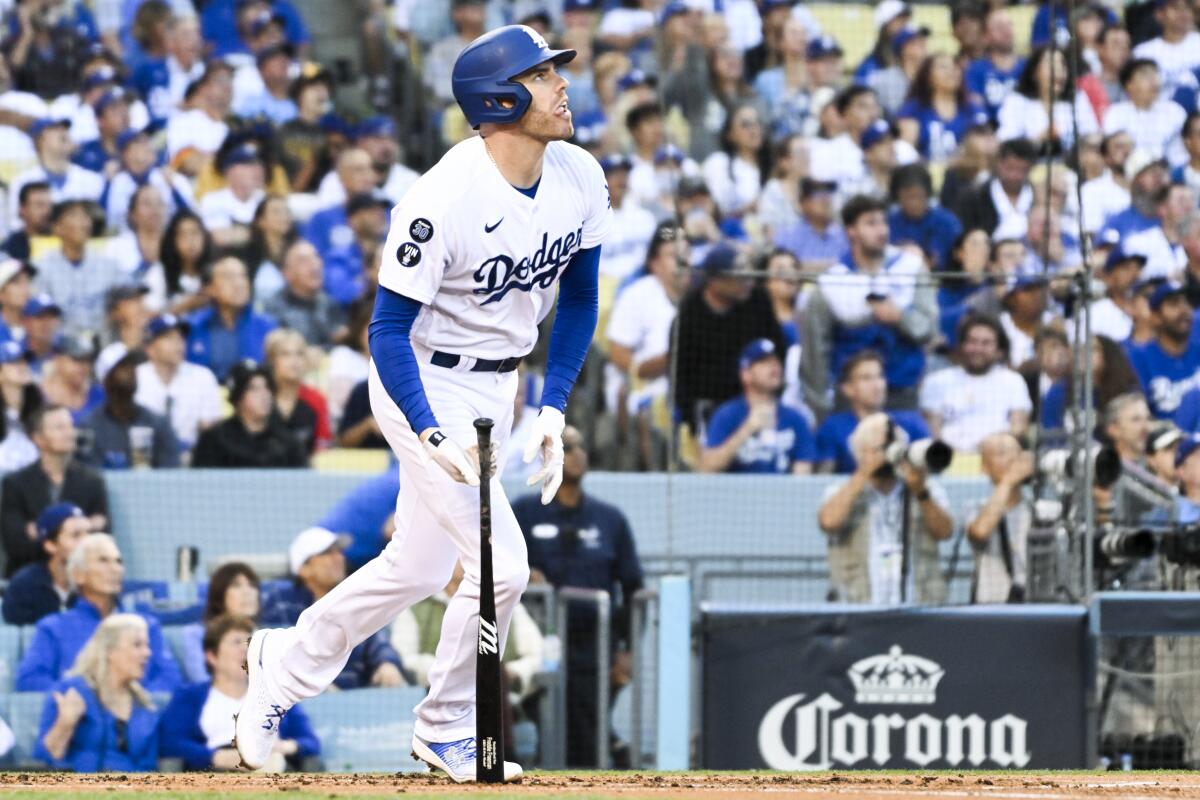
(378, 137)
(33, 211)
(329, 228)
(228, 330)
(302, 304)
(253, 436)
(96, 574)
(164, 81)
(98, 78)
(41, 319)
(139, 170)
(301, 408)
(317, 560)
(1025, 311)
(1161, 443)
(1044, 106)
(269, 95)
(991, 78)
(41, 588)
(816, 238)
(891, 17)
(1161, 244)
(965, 403)
(19, 398)
(67, 181)
(880, 157)
(127, 315)
(1112, 315)
(864, 388)
(937, 114)
(228, 212)
(55, 477)
(915, 221)
(785, 88)
(76, 276)
(469, 18)
(874, 299)
(123, 434)
(1176, 49)
(304, 142)
(755, 432)
(195, 131)
(1169, 365)
(633, 226)
(717, 319)
(824, 63)
(68, 378)
(197, 724)
(1001, 205)
(1107, 194)
(101, 155)
(349, 267)
(16, 282)
(891, 84)
(1152, 121)
(1146, 176)
(186, 394)
(225, 24)
(138, 249)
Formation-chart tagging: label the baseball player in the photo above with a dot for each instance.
(475, 252)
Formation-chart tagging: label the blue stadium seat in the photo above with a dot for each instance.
(10, 655)
(24, 710)
(366, 730)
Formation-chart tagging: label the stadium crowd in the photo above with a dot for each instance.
(811, 259)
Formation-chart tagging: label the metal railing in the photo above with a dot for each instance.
(639, 617)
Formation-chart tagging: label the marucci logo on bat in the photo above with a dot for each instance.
(488, 640)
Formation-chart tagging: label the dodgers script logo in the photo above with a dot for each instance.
(499, 275)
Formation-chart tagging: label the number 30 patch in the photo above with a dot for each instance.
(408, 254)
(421, 230)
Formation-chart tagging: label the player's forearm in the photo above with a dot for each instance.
(394, 359)
(574, 324)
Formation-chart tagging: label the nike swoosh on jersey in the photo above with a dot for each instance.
(489, 228)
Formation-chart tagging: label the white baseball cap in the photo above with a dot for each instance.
(888, 10)
(11, 267)
(312, 542)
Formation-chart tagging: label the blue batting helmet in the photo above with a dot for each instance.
(483, 74)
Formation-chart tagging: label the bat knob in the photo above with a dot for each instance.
(483, 424)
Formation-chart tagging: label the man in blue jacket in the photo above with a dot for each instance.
(96, 573)
(42, 588)
(317, 560)
(228, 331)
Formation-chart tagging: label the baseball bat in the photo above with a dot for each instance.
(489, 731)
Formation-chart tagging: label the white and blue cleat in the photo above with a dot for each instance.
(256, 725)
(456, 759)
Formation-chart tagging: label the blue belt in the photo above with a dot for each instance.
(450, 361)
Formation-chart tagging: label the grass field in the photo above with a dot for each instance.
(620, 785)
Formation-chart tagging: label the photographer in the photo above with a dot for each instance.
(1187, 470)
(1000, 529)
(884, 524)
(1126, 427)
(1161, 445)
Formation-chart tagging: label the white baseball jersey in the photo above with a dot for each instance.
(482, 257)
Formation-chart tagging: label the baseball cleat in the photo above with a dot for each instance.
(456, 759)
(256, 725)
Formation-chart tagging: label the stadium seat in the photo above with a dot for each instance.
(1022, 22)
(10, 655)
(347, 459)
(173, 636)
(24, 711)
(366, 730)
(852, 24)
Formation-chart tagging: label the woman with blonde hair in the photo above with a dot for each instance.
(301, 408)
(98, 718)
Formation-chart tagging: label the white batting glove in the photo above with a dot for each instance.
(452, 458)
(547, 438)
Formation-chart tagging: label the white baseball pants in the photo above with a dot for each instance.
(437, 523)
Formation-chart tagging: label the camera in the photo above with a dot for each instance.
(929, 455)
(1182, 546)
(1118, 545)
(1060, 467)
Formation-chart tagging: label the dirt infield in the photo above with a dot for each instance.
(731, 786)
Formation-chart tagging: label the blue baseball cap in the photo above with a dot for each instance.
(126, 138)
(674, 8)
(46, 123)
(11, 351)
(875, 133)
(1118, 256)
(41, 304)
(668, 152)
(906, 35)
(614, 162)
(263, 20)
(51, 520)
(635, 77)
(822, 47)
(1019, 283)
(164, 323)
(378, 125)
(720, 258)
(1187, 446)
(332, 123)
(101, 77)
(756, 351)
(1162, 292)
(244, 153)
(264, 54)
(113, 95)
(769, 5)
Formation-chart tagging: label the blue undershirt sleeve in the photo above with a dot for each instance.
(574, 324)
(391, 349)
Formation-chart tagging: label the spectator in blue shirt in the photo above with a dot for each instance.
(865, 389)
(991, 78)
(755, 432)
(1147, 176)
(348, 266)
(367, 514)
(891, 17)
(229, 330)
(112, 119)
(42, 588)
(937, 114)
(329, 228)
(318, 562)
(914, 220)
(815, 239)
(100, 718)
(197, 725)
(97, 574)
(1169, 366)
(225, 24)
